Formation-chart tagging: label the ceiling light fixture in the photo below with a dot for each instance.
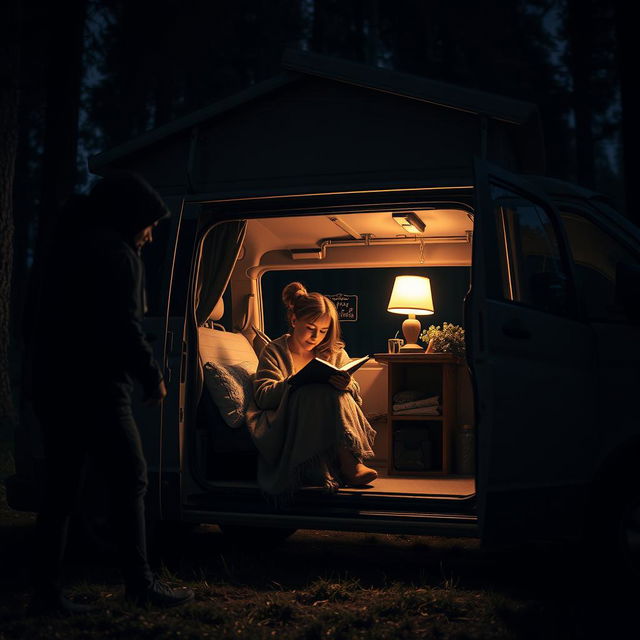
(307, 254)
(345, 227)
(410, 222)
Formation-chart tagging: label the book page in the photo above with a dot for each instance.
(354, 365)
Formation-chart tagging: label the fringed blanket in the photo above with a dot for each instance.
(298, 430)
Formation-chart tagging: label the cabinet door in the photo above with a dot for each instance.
(532, 361)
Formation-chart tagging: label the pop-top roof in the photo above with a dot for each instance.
(300, 64)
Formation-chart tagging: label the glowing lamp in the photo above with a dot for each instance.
(411, 296)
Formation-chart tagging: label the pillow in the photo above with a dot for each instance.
(231, 387)
(260, 341)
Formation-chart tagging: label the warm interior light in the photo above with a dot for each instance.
(345, 227)
(306, 254)
(411, 295)
(410, 222)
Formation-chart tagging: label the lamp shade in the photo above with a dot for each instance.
(411, 295)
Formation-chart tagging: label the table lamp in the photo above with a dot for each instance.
(411, 295)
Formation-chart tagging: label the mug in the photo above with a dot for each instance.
(394, 344)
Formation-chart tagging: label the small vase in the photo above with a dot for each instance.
(429, 348)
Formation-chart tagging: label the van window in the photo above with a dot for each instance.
(366, 323)
(596, 256)
(532, 272)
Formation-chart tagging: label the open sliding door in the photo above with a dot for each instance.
(175, 358)
(532, 358)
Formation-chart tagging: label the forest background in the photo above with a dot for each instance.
(81, 76)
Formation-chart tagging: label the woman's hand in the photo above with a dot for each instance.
(340, 380)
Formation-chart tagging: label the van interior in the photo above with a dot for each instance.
(352, 256)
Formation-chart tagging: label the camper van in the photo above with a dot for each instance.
(536, 431)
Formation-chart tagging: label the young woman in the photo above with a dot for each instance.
(315, 433)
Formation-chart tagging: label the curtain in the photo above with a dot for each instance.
(218, 256)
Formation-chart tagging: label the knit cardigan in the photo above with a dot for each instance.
(295, 429)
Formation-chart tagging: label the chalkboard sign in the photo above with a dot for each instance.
(347, 306)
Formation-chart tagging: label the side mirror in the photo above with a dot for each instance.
(627, 290)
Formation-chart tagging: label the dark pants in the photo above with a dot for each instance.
(102, 435)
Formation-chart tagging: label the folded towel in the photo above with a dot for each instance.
(420, 411)
(425, 402)
(410, 395)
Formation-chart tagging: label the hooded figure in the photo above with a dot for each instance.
(89, 349)
(93, 300)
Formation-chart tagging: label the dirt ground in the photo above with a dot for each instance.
(320, 584)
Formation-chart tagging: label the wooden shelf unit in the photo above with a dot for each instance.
(433, 373)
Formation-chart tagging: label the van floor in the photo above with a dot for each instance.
(449, 487)
(444, 487)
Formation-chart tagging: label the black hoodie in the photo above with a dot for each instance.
(90, 343)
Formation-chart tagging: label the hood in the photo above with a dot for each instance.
(126, 202)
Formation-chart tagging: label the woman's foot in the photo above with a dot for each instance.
(362, 475)
(354, 473)
(319, 475)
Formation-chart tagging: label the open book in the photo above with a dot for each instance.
(320, 370)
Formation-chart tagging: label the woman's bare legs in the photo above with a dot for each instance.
(355, 473)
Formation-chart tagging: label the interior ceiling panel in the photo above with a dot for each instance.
(308, 231)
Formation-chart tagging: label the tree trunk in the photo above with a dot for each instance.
(630, 103)
(64, 76)
(373, 41)
(580, 38)
(59, 168)
(319, 28)
(9, 71)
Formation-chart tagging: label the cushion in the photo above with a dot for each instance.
(231, 388)
(225, 347)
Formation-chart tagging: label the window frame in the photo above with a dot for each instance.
(574, 310)
(595, 216)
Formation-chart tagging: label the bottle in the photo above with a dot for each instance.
(465, 450)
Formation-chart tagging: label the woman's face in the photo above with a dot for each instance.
(308, 334)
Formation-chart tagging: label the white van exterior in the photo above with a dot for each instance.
(551, 314)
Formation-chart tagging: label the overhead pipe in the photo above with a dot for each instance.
(369, 241)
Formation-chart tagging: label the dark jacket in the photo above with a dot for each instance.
(89, 339)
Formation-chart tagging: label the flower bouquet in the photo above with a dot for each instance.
(448, 339)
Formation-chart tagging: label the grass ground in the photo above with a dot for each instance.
(322, 585)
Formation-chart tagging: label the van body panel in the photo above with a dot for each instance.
(553, 394)
(618, 353)
(616, 341)
(173, 452)
(517, 514)
(370, 522)
(535, 375)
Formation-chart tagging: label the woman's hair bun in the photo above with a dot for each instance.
(291, 292)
